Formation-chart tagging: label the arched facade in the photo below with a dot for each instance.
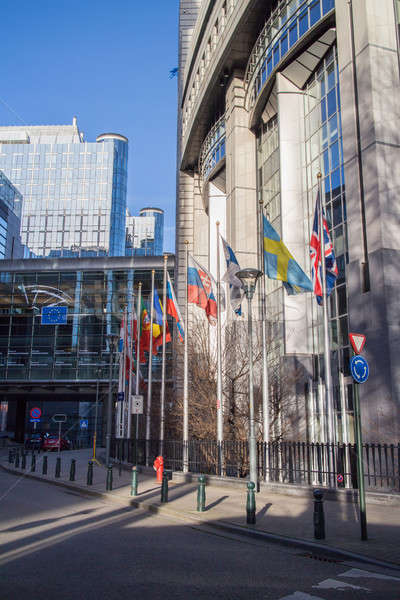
(270, 94)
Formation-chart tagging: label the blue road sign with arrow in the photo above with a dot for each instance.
(359, 369)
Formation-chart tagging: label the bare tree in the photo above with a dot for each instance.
(202, 385)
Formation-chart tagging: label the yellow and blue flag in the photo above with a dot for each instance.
(280, 264)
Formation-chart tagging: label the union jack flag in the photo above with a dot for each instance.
(316, 258)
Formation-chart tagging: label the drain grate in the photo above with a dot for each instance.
(321, 557)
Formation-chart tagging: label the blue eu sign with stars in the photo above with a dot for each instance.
(54, 315)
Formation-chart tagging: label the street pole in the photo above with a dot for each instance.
(220, 414)
(249, 279)
(185, 454)
(164, 333)
(111, 340)
(360, 466)
(150, 373)
(139, 328)
(265, 380)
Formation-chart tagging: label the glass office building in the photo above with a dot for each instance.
(145, 233)
(10, 220)
(74, 191)
(66, 363)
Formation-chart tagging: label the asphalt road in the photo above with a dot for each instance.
(58, 544)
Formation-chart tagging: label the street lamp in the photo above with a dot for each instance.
(112, 339)
(249, 278)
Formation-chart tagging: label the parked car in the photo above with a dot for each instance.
(34, 441)
(50, 442)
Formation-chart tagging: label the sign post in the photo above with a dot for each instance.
(59, 418)
(35, 413)
(360, 371)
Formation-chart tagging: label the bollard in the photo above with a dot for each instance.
(134, 482)
(251, 504)
(319, 519)
(89, 478)
(164, 487)
(33, 463)
(58, 467)
(72, 470)
(201, 494)
(17, 459)
(11, 455)
(44, 466)
(23, 460)
(109, 481)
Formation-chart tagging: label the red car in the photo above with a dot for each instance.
(50, 442)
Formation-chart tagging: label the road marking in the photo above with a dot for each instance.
(301, 596)
(334, 584)
(360, 573)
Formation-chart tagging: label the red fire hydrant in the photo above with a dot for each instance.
(158, 466)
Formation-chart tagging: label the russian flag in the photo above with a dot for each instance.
(173, 309)
(200, 289)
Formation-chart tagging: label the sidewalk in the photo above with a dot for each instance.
(289, 517)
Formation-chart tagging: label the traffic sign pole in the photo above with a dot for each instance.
(360, 465)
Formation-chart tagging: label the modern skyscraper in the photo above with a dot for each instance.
(10, 220)
(74, 191)
(269, 95)
(145, 233)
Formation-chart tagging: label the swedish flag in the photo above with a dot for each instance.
(280, 264)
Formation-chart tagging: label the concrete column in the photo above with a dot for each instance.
(241, 196)
(371, 148)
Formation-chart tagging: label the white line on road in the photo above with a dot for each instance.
(335, 584)
(360, 573)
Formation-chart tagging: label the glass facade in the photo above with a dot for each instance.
(324, 152)
(74, 191)
(145, 233)
(10, 220)
(77, 351)
(286, 25)
(213, 148)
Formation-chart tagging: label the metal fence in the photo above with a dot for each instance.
(300, 463)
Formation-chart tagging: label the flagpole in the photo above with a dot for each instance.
(185, 439)
(139, 325)
(327, 349)
(149, 376)
(265, 381)
(124, 415)
(220, 414)
(130, 375)
(164, 325)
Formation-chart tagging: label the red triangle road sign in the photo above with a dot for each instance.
(357, 341)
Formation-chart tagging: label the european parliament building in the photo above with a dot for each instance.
(272, 92)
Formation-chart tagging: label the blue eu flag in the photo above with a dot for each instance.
(54, 315)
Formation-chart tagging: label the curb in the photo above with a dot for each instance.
(193, 520)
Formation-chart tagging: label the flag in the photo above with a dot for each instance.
(235, 285)
(122, 358)
(144, 331)
(173, 309)
(200, 289)
(280, 264)
(331, 269)
(158, 324)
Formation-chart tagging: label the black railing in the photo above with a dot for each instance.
(300, 463)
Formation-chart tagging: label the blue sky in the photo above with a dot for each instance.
(108, 63)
